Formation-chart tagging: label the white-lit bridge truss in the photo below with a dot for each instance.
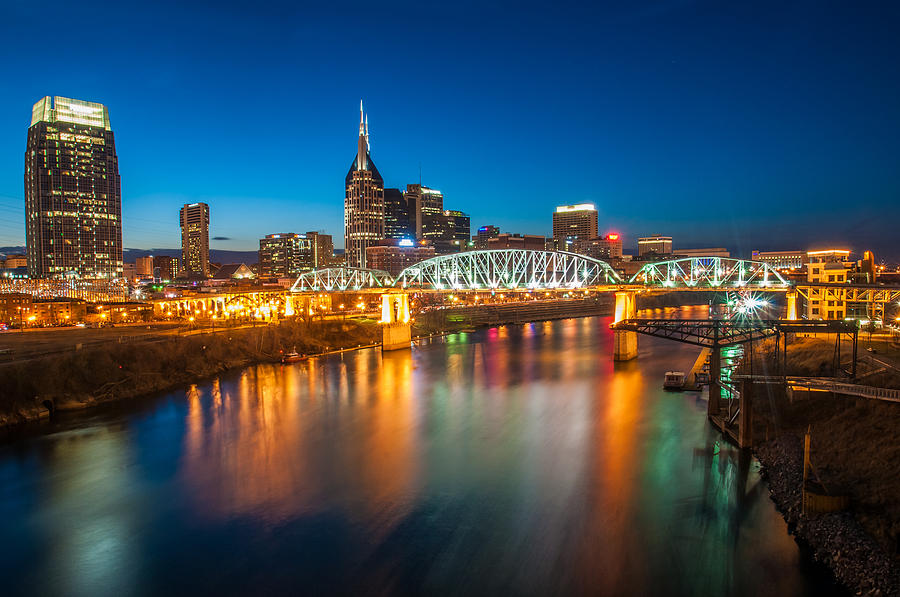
(539, 270)
(341, 279)
(709, 272)
(507, 269)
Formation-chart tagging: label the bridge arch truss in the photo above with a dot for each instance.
(342, 279)
(507, 269)
(709, 272)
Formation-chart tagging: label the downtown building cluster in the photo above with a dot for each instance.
(73, 225)
(389, 229)
(73, 212)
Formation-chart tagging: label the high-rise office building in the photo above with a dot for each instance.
(394, 255)
(285, 255)
(530, 242)
(363, 200)
(195, 240)
(165, 268)
(781, 259)
(424, 203)
(483, 236)
(457, 229)
(447, 231)
(143, 267)
(397, 215)
(573, 223)
(73, 196)
(322, 248)
(655, 245)
(607, 247)
(703, 252)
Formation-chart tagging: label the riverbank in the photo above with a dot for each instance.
(113, 371)
(35, 388)
(855, 452)
(837, 540)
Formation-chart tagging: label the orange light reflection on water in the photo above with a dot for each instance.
(255, 450)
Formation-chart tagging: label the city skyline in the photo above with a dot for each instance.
(642, 134)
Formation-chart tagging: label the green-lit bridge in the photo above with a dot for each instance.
(522, 269)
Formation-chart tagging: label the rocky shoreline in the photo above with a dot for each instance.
(836, 540)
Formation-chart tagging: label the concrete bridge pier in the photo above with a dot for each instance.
(624, 342)
(791, 305)
(395, 330)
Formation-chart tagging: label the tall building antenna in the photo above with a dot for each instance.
(363, 200)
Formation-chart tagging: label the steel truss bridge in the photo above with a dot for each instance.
(523, 269)
(508, 269)
(709, 272)
(342, 279)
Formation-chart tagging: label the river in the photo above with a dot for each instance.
(516, 460)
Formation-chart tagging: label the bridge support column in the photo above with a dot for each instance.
(791, 305)
(624, 342)
(745, 418)
(395, 330)
(715, 390)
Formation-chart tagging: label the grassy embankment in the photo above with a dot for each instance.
(75, 379)
(854, 441)
(114, 371)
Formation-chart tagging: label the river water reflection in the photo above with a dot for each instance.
(514, 460)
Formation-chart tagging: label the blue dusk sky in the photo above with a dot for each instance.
(753, 125)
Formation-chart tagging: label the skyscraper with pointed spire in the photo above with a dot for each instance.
(363, 200)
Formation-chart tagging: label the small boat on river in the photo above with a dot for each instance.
(674, 380)
(293, 357)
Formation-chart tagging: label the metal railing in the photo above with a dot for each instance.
(829, 385)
